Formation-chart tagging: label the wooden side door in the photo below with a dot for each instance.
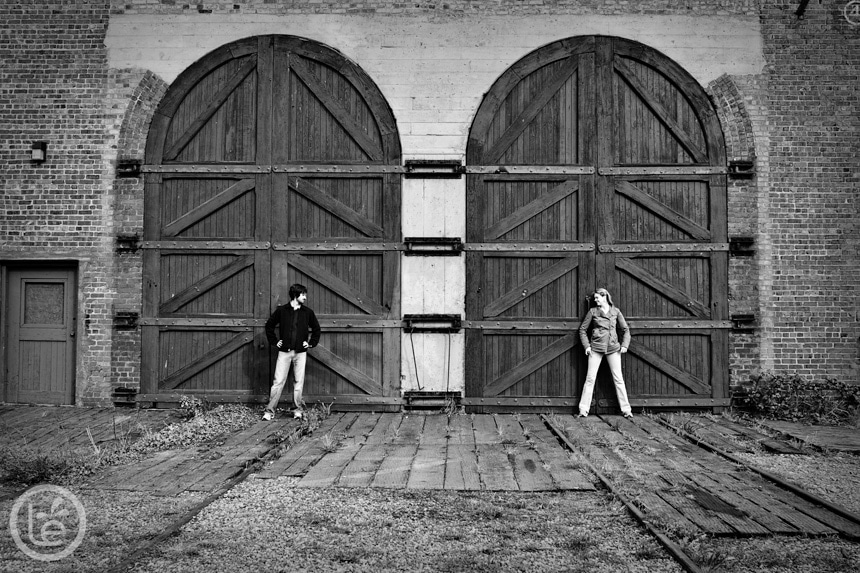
(593, 162)
(662, 237)
(206, 230)
(336, 220)
(266, 167)
(530, 233)
(40, 317)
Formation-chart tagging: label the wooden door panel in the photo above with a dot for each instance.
(530, 210)
(661, 211)
(530, 286)
(655, 122)
(206, 208)
(530, 364)
(538, 120)
(216, 121)
(329, 119)
(206, 359)
(348, 362)
(319, 208)
(665, 287)
(650, 225)
(669, 364)
(199, 284)
(40, 321)
(343, 284)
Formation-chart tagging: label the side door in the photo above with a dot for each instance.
(40, 315)
(336, 220)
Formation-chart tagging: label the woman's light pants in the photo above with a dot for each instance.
(282, 369)
(614, 361)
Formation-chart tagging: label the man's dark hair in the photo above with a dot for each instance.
(296, 290)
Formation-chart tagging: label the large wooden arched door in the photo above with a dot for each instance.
(595, 161)
(269, 163)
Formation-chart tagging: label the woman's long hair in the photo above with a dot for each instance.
(605, 293)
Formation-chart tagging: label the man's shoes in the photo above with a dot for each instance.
(581, 415)
(298, 414)
(628, 415)
(268, 415)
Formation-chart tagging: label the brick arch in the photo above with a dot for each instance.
(734, 118)
(143, 101)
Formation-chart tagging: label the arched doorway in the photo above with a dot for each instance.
(268, 163)
(596, 161)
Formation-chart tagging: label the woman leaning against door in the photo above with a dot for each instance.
(604, 317)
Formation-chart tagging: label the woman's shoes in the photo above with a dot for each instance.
(628, 415)
(582, 416)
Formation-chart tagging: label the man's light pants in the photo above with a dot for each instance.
(282, 369)
(614, 361)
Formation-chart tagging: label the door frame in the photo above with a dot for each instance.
(6, 267)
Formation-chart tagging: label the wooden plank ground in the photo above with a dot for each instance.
(360, 470)
(461, 461)
(394, 470)
(827, 437)
(707, 491)
(298, 458)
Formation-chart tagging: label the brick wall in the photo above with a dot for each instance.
(813, 101)
(798, 119)
(52, 76)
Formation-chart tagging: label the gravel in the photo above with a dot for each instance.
(117, 522)
(270, 525)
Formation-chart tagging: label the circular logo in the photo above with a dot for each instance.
(48, 522)
(852, 12)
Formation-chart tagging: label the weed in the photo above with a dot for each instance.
(793, 398)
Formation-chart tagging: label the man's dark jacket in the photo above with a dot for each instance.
(307, 327)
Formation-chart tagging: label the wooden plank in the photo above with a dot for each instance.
(664, 115)
(208, 207)
(290, 457)
(567, 470)
(661, 210)
(531, 364)
(394, 470)
(336, 284)
(183, 374)
(327, 471)
(215, 102)
(360, 471)
(778, 502)
(494, 466)
(531, 209)
(210, 281)
(428, 466)
(766, 441)
(304, 458)
(530, 286)
(461, 463)
(667, 289)
(694, 513)
(339, 112)
(343, 212)
(528, 114)
(833, 438)
(530, 471)
(684, 378)
(338, 365)
(718, 484)
(663, 515)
